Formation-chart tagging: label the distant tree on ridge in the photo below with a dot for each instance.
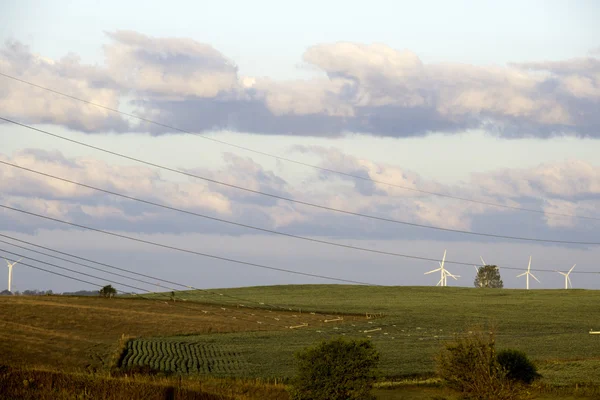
(488, 276)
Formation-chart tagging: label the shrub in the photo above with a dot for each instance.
(469, 364)
(517, 366)
(335, 370)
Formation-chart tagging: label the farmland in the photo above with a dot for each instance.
(226, 338)
(550, 325)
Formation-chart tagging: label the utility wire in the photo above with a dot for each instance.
(261, 305)
(491, 235)
(227, 259)
(122, 284)
(239, 224)
(296, 161)
(186, 250)
(347, 246)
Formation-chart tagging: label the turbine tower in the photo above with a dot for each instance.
(528, 274)
(567, 279)
(444, 273)
(10, 267)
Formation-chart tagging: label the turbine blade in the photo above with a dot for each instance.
(432, 271)
(524, 273)
(482, 260)
(562, 273)
(569, 280)
(571, 269)
(533, 276)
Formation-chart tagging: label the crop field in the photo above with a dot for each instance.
(549, 325)
(225, 337)
(74, 333)
(183, 357)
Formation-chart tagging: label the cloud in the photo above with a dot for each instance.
(135, 181)
(367, 88)
(570, 187)
(67, 75)
(168, 67)
(569, 180)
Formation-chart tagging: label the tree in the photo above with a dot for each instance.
(108, 291)
(488, 276)
(470, 365)
(335, 370)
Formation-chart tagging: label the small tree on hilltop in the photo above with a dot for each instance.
(108, 291)
(488, 276)
(335, 370)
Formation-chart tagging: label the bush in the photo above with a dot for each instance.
(335, 370)
(469, 364)
(517, 366)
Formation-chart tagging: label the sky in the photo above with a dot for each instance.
(493, 102)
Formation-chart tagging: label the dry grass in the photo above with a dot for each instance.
(83, 332)
(47, 384)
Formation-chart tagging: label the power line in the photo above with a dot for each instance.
(491, 235)
(217, 219)
(118, 283)
(237, 298)
(74, 271)
(227, 259)
(187, 250)
(239, 224)
(296, 161)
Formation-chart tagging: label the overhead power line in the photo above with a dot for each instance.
(490, 235)
(189, 287)
(470, 264)
(122, 284)
(187, 250)
(317, 167)
(326, 242)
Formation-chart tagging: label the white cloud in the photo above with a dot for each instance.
(369, 88)
(68, 75)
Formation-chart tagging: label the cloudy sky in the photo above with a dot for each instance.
(492, 102)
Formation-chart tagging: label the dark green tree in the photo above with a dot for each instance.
(108, 291)
(335, 370)
(488, 276)
(517, 366)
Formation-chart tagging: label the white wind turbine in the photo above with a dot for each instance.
(444, 273)
(567, 279)
(10, 267)
(528, 274)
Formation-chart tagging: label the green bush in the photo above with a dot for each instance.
(517, 366)
(335, 370)
(469, 364)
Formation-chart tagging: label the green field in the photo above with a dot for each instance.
(551, 326)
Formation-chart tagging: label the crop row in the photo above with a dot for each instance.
(181, 357)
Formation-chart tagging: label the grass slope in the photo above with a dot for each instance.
(74, 332)
(550, 325)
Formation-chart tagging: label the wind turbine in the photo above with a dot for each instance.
(528, 273)
(10, 267)
(566, 275)
(444, 274)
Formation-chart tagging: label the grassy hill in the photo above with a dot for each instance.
(410, 326)
(550, 325)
